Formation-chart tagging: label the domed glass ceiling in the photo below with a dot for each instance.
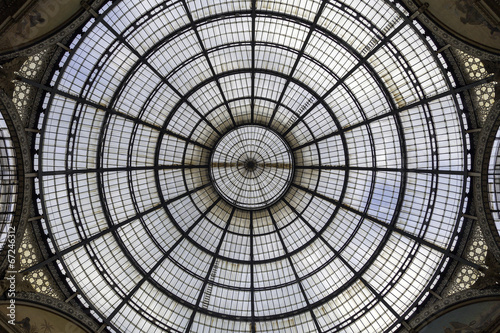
(253, 166)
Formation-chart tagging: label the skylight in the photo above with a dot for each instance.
(252, 166)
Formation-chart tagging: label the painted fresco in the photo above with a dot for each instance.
(473, 318)
(41, 20)
(464, 17)
(36, 320)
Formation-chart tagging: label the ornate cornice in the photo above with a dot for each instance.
(480, 184)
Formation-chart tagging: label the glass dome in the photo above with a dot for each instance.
(252, 166)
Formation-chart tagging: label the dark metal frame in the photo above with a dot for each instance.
(82, 99)
(289, 181)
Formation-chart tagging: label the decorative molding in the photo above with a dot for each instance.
(480, 184)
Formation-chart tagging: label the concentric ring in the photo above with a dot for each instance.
(251, 167)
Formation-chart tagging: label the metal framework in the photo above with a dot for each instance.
(9, 191)
(251, 167)
(135, 163)
(494, 183)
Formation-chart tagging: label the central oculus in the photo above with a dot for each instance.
(251, 167)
